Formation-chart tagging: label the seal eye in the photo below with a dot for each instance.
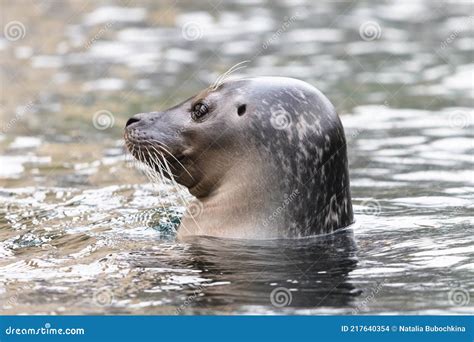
(199, 110)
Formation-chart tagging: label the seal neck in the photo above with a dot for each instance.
(237, 208)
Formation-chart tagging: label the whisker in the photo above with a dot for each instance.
(166, 168)
(174, 182)
(220, 80)
(164, 148)
(154, 165)
(184, 201)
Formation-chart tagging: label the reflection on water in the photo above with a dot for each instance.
(313, 272)
(82, 232)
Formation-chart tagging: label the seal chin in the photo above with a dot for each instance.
(170, 164)
(264, 157)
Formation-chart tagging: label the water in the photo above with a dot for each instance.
(81, 231)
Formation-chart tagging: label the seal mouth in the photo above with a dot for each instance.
(156, 156)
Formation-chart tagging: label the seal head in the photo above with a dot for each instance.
(264, 158)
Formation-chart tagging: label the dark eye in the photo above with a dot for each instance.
(199, 110)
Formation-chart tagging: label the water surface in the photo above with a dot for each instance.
(82, 232)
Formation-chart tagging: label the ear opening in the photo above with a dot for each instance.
(241, 109)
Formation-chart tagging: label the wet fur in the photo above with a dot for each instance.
(250, 179)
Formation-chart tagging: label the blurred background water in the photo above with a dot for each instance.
(82, 232)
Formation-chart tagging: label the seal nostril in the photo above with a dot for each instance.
(241, 110)
(131, 121)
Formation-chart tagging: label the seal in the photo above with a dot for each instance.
(264, 158)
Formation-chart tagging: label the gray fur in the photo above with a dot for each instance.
(278, 171)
